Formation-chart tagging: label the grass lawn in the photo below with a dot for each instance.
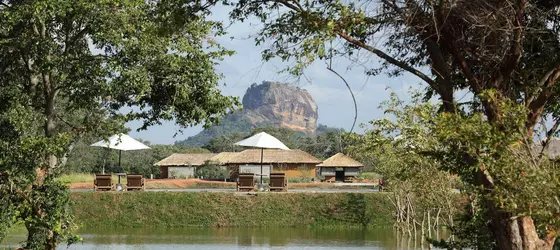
(369, 176)
(80, 178)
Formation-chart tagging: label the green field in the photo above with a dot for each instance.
(79, 178)
(184, 209)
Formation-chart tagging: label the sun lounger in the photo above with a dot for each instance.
(134, 182)
(102, 182)
(278, 182)
(246, 182)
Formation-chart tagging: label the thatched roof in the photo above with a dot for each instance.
(223, 157)
(185, 159)
(340, 160)
(294, 156)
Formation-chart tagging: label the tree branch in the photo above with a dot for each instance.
(75, 38)
(389, 59)
(536, 106)
(289, 5)
(329, 67)
(549, 135)
(510, 64)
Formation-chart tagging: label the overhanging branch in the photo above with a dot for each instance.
(389, 59)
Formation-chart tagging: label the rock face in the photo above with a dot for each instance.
(280, 105)
(266, 104)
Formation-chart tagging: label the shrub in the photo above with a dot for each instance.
(210, 171)
(300, 180)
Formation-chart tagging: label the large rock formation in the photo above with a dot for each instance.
(266, 104)
(281, 105)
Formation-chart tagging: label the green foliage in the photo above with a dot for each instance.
(417, 150)
(471, 232)
(69, 70)
(54, 224)
(357, 207)
(523, 184)
(229, 127)
(324, 144)
(369, 176)
(511, 68)
(211, 171)
(86, 159)
(300, 180)
(43, 208)
(225, 143)
(397, 150)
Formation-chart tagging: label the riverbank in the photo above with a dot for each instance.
(181, 210)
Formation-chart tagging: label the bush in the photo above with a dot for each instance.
(369, 176)
(300, 180)
(209, 171)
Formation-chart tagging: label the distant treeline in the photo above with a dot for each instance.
(322, 145)
(236, 123)
(85, 159)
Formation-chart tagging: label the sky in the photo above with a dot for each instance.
(333, 99)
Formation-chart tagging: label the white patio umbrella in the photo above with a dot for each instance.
(262, 140)
(121, 142)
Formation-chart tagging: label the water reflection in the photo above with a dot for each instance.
(238, 238)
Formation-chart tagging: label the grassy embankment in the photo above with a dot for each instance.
(170, 209)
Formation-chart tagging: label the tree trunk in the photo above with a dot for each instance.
(511, 233)
(39, 235)
(517, 234)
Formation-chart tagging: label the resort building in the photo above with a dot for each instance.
(294, 163)
(182, 165)
(339, 167)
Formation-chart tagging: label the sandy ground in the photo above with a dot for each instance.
(197, 183)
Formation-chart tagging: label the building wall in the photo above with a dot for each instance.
(354, 172)
(330, 173)
(296, 170)
(255, 169)
(291, 170)
(176, 172)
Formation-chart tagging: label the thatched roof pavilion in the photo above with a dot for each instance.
(340, 160)
(340, 167)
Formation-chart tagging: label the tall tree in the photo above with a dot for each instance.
(504, 52)
(70, 67)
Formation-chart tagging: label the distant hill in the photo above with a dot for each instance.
(269, 104)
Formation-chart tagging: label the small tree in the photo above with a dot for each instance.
(398, 149)
(211, 170)
(69, 68)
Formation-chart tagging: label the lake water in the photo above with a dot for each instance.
(235, 238)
